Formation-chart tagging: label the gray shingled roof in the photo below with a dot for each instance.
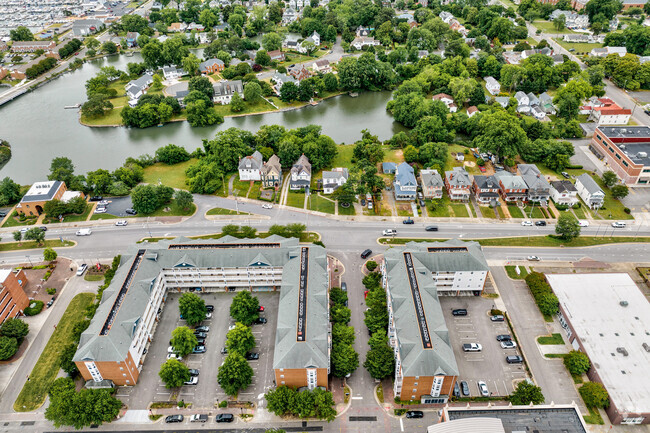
(458, 177)
(510, 181)
(431, 178)
(44, 196)
(251, 162)
(588, 183)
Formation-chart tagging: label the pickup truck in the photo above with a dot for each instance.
(472, 347)
(390, 232)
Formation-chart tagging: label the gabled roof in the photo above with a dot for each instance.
(209, 63)
(528, 169)
(510, 181)
(302, 164)
(251, 162)
(225, 88)
(404, 175)
(563, 186)
(272, 164)
(589, 184)
(431, 178)
(486, 182)
(458, 177)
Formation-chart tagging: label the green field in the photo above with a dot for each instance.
(515, 212)
(321, 204)
(347, 210)
(459, 210)
(547, 27)
(441, 211)
(552, 339)
(169, 175)
(579, 47)
(47, 367)
(343, 156)
(487, 212)
(512, 272)
(222, 211)
(296, 199)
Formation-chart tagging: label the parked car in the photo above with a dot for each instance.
(483, 389)
(527, 223)
(344, 287)
(131, 211)
(100, 210)
(224, 350)
(170, 349)
(431, 228)
(231, 327)
(81, 269)
(202, 328)
(103, 203)
(508, 344)
(370, 205)
(121, 223)
(200, 334)
(96, 198)
(261, 309)
(174, 356)
(422, 203)
(415, 414)
(464, 388)
(459, 312)
(260, 321)
(472, 347)
(224, 417)
(366, 253)
(497, 318)
(408, 221)
(198, 349)
(193, 372)
(504, 337)
(209, 308)
(267, 206)
(540, 223)
(533, 258)
(200, 341)
(514, 359)
(618, 224)
(363, 202)
(24, 230)
(3, 213)
(583, 223)
(252, 356)
(193, 381)
(566, 175)
(199, 418)
(174, 418)
(208, 315)
(389, 232)
(51, 302)
(43, 228)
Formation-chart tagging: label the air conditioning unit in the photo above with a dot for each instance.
(622, 351)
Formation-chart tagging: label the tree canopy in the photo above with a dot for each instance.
(192, 308)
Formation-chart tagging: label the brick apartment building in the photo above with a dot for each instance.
(31, 46)
(13, 299)
(626, 150)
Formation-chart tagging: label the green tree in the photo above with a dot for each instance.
(109, 47)
(192, 308)
(191, 64)
(21, 33)
(99, 181)
(281, 400)
(201, 114)
(183, 340)
(340, 314)
(183, 199)
(567, 227)
(609, 178)
(96, 106)
(8, 347)
(240, 339)
(577, 362)
(172, 154)
(559, 23)
(271, 41)
(252, 92)
(244, 308)
(411, 154)
(288, 92)
(66, 356)
(620, 191)
(174, 373)
(202, 84)
(344, 360)
(594, 395)
(380, 359)
(262, 58)
(342, 334)
(61, 168)
(500, 134)
(14, 328)
(234, 374)
(526, 393)
(237, 103)
(144, 199)
(80, 409)
(18, 236)
(9, 192)
(35, 234)
(49, 254)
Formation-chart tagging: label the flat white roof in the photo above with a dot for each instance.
(4, 273)
(609, 312)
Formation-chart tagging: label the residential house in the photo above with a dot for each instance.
(522, 98)
(290, 42)
(537, 112)
(532, 99)
(136, 88)
(364, 41)
(335, 178)
(492, 85)
(289, 16)
(211, 66)
(546, 103)
(299, 72)
(564, 192)
(300, 174)
(558, 59)
(471, 111)
(589, 191)
(195, 26)
(250, 166)
(388, 167)
(362, 31)
(280, 79)
(14, 299)
(504, 101)
(86, 27)
(172, 72)
(606, 51)
(543, 51)
(31, 46)
(511, 187)
(224, 90)
(423, 53)
(276, 55)
(177, 27)
(314, 38)
(3, 46)
(132, 39)
(432, 183)
(447, 99)
(486, 189)
(611, 115)
(38, 194)
(539, 190)
(458, 184)
(3, 72)
(405, 185)
(572, 20)
(321, 66)
(271, 173)
(613, 24)
(446, 17)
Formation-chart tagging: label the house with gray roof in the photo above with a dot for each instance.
(589, 191)
(539, 190)
(405, 185)
(115, 345)
(492, 85)
(388, 167)
(486, 189)
(136, 88)
(271, 173)
(334, 178)
(503, 101)
(224, 91)
(546, 103)
(415, 275)
(300, 175)
(432, 183)
(86, 27)
(210, 66)
(280, 79)
(250, 166)
(511, 187)
(458, 184)
(564, 192)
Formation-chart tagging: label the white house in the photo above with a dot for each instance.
(172, 72)
(136, 88)
(300, 174)
(492, 85)
(224, 90)
(522, 98)
(333, 179)
(447, 99)
(589, 191)
(611, 115)
(564, 192)
(250, 166)
(321, 66)
(606, 51)
(363, 41)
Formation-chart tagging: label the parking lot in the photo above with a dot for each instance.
(118, 205)
(207, 392)
(488, 365)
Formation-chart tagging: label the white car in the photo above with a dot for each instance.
(100, 210)
(231, 327)
(193, 381)
(508, 344)
(121, 223)
(267, 206)
(81, 269)
(583, 223)
(483, 389)
(174, 356)
(618, 224)
(170, 349)
(472, 347)
(527, 223)
(102, 203)
(389, 232)
(533, 258)
(208, 315)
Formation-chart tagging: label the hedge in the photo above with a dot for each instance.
(544, 297)
(33, 311)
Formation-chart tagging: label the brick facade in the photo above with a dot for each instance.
(297, 377)
(123, 373)
(13, 299)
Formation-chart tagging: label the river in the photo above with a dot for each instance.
(39, 128)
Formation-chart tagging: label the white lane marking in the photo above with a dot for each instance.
(401, 424)
(357, 398)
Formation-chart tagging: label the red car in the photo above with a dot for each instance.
(261, 308)
(365, 294)
(480, 167)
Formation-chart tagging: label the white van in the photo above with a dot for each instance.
(390, 232)
(583, 223)
(84, 232)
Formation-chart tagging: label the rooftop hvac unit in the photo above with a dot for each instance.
(622, 350)
(623, 303)
(646, 346)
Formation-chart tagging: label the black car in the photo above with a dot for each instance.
(459, 312)
(3, 213)
(209, 308)
(408, 221)
(193, 372)
(504, 337)
(464, 388)
(415, 414)
(456, 390)
(431, 228)
(252, 356)
(422, 203)
(514, 359)
(131, 211)
(98, 198)
(200, 341)
(540, 223)
(43, 228)
(50, 302)
(366, 253)
(174, 418)
(363, 202)
(260, 321)
(224, 417)
(200, 334)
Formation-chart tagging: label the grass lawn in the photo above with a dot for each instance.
(240, 188)
(29, 245)
(404, 209)
(343, 156)
(14, 222)
(547, 27)
(347, 210)
(537, 241)
(580, 213)
(552, 339)
(93, 277)
(534, 212)
(106, 216)
(441, 211)
(512, 272)
(394, 155)
(321, 204)
(72, 218)
(555, 355)
(459, 210)
(515, 212)
(254, 192)
(593, 417)
(613, 208)
(222, 211)
(173, 211)
(169, 175)
(296, 199)
(579, 47)
(257, 107)
(502, 215)
(473, 210)
(47, 368)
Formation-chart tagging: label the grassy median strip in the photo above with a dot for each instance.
(222, 211)
(512, 272)
(47, 367)
(551, 339)
(533, 241)
(29, 245)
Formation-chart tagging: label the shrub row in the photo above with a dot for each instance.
(544, 297)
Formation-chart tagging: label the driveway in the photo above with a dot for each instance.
(117, 206)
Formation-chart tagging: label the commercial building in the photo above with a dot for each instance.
(13, 299)
(607, 317)
(414, 275)
(509, 419)
(38, 194)
(114, 345)
(626, 149)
